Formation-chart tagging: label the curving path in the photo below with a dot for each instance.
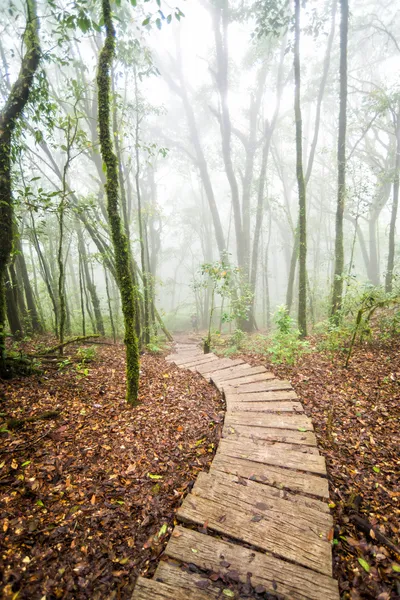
(262, 509)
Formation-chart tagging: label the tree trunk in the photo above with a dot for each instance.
(37, 325)
(9, 115)
(321, 91)
(302, 308)
(120, 243)
(13, 314)
(110, 312)
(146, 303)
(337, 291)
(99, 328)
(395, 205)
(220, 21)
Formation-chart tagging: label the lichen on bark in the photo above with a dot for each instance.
(9, 115)
(119, 240)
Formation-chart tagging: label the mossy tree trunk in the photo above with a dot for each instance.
(15, 104)
(302, 310)
(118, 237)
(337, 291)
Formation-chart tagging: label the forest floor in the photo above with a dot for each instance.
(356, 413)
(87, 500)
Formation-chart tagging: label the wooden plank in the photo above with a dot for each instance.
(207, 358)
(259, 419)
(261, 396)
(148, 589)
(303, 547)
(260, 499)
(276, 476)
(291, 581)
(258, 434)
(187, 360)
(267, 386)
(177, 575)
(236, 373)
(256, 378)
(219, 367)
(273, 492)
(265, 407)
(224, 363)
(182, 356)
(275, 455)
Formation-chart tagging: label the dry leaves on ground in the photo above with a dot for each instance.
(88, 500)
(356, 412)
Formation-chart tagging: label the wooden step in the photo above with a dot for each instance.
(259, 419)
(227, 490)
(181, 357)
(149, 589)
(267, 386)
(259, 434)
(205, 358)
(269, 491)
(261, 396)
(275, 455)
(283, 444)
(279, 477)
(290, 540)
(265, 407)
(238, 373)
(171, 573)
(277, 576)
(233, 383)
(187, 359)
(221, 365)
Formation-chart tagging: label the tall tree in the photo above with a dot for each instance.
(15, 104)
(337, 290)
(302, 311)
(119, 240)
(395, 205)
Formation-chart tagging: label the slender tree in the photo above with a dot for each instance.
(302, 311)
(15, 104)
(337, 291)
(119, 240)
(395, 205)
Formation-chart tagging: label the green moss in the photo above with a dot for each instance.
(119, 240)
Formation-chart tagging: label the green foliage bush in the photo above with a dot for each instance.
(285, 345)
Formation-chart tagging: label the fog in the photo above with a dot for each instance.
(203, 128)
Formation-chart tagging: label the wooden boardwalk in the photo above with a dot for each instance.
(259, 519)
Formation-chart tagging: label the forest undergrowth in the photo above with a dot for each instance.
(88, 499)
(355, 412)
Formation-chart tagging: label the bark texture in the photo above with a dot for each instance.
(118, 237)
(16, 102)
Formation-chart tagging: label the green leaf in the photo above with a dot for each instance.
(26, 463)
(146, 21)
(158, 23)
(228, 593)
(396, 568)
(134, 3)
(169, 19)
(376, 469)
(364, 564)
(163, 530)
(154, 476)
(302, 429)
(39, 503)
